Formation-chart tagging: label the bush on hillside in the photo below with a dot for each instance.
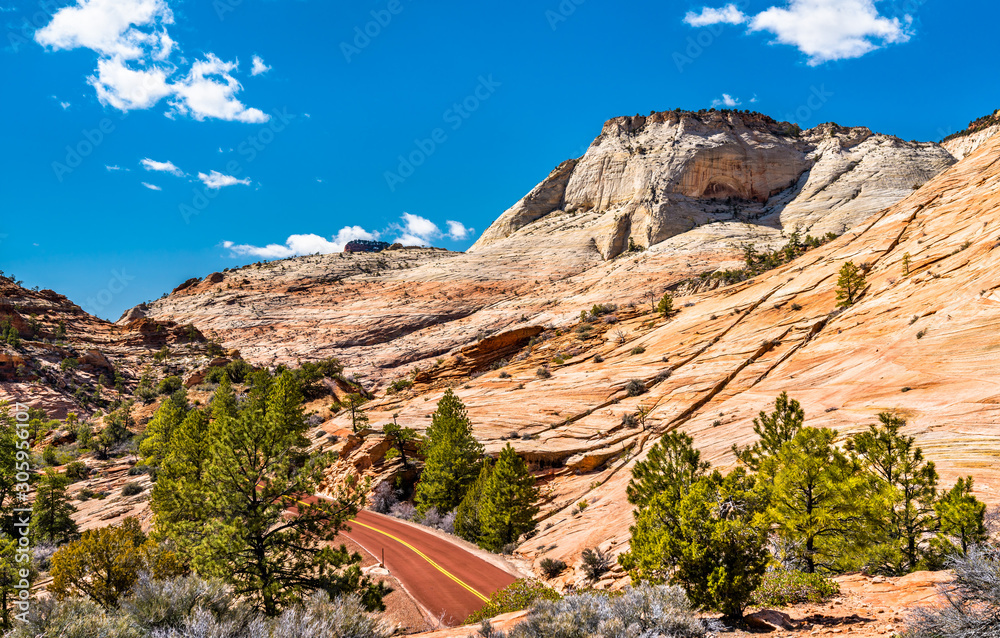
(781, 588)
(518, 595)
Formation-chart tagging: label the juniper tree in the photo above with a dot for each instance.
(452, 457)
(774, 430)
(508, 503)
(713, 543)
(849, 285)
(902, 511)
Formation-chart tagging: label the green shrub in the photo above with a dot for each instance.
(552, 567)
(595, 564)
(399, 385)
(637, 350)
(170, 385)
(132, 489)
(543, 373)
(781, 588)
(77, 471)
(635, 387)
(68, 364)
(517, 596)
(49, 456)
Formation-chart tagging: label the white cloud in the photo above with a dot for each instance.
(457, 230)
(112, 169)
(727, 101)
(303, 244)
(134, 69)
(65, 105)
(728, 14)
(415, 231)
(216, 180)
(258, 66)
(125, 88)
(152, 187)
(412, 230)
(209, 92)
(161, 167)
(106, 26)
(824, 30)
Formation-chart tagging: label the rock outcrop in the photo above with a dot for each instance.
(651, 178)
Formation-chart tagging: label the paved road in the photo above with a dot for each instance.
(450, 582)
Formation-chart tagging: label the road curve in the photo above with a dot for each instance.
(448, 580)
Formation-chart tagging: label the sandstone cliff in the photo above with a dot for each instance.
(647, 179)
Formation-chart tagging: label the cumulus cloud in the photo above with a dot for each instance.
(824, 30)
(209, 91)
(297, 245)
(259, 67)
(457, 230)
(161, 167)
(107, 27)
(134, 70)
(411, 230)
(727, 101)
(216, 180)
(728, 14)
(152, 187)
(126, 89)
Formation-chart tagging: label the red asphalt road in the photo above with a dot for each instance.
(440, 594)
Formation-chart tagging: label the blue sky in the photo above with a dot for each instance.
(149, 141)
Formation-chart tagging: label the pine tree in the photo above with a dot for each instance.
(774, 430)
(400, 437)
(51, 516)
(468, 520)
(849, 285)
(253, 522)
(665, 307)
(508, 507)
(8, 471)
(813, 499)
(116, 428)
(903, 511)
(9, 577)
(224, 400)
(359, 420)
(155, 445)
(961, 517)
(180, 493)
(452, 457)
(671, 467)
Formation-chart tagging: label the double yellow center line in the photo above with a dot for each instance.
(426, 558)
(418, 553)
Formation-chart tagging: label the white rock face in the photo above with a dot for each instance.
(963, 146)
(647, 179)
